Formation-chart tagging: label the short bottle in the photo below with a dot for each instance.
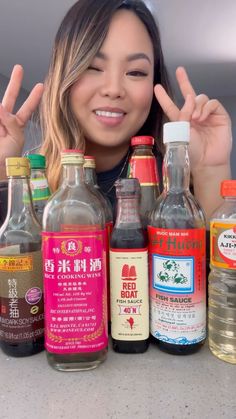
(143, 166)
(39, 183)
(177, 253)
(74, 256)
(21, 284)
(222, 277)
(129, 273)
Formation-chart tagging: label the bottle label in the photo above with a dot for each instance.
(223, 244)
(75, 291)
(22, 316)
(129, 294)
(177, 285)
(145, 169)
(40, 189)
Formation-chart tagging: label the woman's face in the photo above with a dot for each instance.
(112, 99)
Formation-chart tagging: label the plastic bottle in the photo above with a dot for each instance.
(177, 253)
(129, 273)
(74, 255)
(39, 183)
(222, 277)
(143, 166)
(21, 285)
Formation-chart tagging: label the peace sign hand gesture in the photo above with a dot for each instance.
(211, 137)
(12, 125)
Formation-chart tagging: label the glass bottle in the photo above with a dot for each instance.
(74, 256)
(129, 273)
(39, 183)
(91, 180)
(143, 166)
(222, 277)
(177, 253)
(21, 285)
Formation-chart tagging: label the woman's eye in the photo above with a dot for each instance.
(93, 68)
(137, 73)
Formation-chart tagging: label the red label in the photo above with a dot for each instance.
(177, 284)
(145, 169)
(75, 291)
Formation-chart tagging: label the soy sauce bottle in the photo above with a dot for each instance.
(129, 273)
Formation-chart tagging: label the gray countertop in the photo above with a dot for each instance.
(150, 385)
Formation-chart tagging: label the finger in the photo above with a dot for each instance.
(13, 88)
(185, 86)
(3, 131)
(30, 104)
(200, 102)
(213, 107)
(186, 111)
(168, 106)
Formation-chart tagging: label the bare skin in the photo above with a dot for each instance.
(211, 137)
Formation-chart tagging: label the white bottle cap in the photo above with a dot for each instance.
(176, 132)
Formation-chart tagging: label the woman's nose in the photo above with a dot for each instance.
(113, 86)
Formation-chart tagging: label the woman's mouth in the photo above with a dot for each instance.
(109, 117)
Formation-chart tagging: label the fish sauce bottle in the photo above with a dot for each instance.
(143, 166)
(222, 277)
(177, 251)
(91, 180)
(129, 273)
(74, 259)
(39, 183)
(21, 283)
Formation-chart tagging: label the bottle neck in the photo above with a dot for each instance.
(176, 167)
(19, 196)
(73, 175)
(90, 176)
(128, 212)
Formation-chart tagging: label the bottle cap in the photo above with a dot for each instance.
(17, 166)
(37, 161)
(228, 188)
(127, 187)
(72, 157)
(174, 132)
(89, 162)
(142, 140)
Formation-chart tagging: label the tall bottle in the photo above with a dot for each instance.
(222, 277)
(91, 180)
(129, 273)
(21, 285)
(39, 183)
(177, 253)
(74, 256)
(143, 166)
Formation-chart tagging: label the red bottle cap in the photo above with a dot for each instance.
(142, 140)
(228, 188)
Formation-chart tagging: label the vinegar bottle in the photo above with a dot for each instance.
(177, 253)
(129, 273)
(74, 255)
(21, 284)
(222, 277)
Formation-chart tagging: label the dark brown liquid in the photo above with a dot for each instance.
(129, 239)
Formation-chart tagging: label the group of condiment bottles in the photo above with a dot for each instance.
(77, 223)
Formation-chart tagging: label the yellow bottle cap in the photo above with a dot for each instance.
(17, 166)
(89, 162)
(72, 157)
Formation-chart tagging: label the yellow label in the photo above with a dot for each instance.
(16, 263)
(129, 294)
(223, 244)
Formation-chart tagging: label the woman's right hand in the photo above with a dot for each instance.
(12, 125)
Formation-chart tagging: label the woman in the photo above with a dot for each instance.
(107, 82)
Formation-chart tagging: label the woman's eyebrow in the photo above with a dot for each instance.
(130, 57)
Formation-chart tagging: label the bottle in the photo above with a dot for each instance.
(21, 285)
(222, 277)
(143, 166)
(129, 273)
(91, 180)
(74, 256)
(39, 183)
(177, 249)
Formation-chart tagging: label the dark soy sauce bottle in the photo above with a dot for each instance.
(129, 273)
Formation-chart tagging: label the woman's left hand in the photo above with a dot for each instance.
(211, 136)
